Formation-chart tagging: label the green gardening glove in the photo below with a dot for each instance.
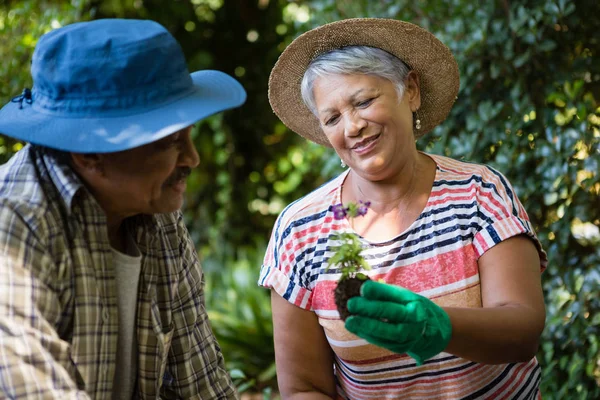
(399, 320)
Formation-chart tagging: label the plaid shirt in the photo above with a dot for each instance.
(58, 305)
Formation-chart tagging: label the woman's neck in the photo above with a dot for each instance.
(398, 191)
(395, 203)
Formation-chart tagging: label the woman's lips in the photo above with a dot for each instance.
(366, 144)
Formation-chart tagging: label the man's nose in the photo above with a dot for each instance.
(189, 156)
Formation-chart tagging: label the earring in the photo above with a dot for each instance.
(417, 120)
(342, 163)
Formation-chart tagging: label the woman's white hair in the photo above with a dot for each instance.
(353, 60)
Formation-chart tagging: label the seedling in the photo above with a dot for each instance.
(348, 257)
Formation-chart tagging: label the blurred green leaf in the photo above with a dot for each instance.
(515, 58)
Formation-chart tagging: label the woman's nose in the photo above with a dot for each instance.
(353, 124)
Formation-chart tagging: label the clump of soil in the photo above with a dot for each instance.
(345, 290)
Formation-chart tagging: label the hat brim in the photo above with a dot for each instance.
(213, 92)
(419, 49)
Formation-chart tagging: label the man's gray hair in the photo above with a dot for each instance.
(353, 60)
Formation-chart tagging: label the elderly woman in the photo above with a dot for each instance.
(454, 307)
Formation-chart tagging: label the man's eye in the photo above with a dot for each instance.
(175, 138)
(169, 142)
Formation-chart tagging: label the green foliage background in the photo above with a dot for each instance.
(528, 105)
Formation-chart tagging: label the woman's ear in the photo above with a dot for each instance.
(412, 91)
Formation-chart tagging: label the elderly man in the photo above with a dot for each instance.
(101, 292)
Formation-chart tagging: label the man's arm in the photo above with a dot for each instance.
(35, 361)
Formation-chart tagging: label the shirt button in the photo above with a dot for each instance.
(105, 315)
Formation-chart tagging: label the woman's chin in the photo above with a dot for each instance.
(371, 166)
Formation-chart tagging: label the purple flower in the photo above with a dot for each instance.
(362, 208)
(339, 212)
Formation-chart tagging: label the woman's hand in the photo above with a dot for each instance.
(399, 320)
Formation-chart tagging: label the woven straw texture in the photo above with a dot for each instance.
(419, 49)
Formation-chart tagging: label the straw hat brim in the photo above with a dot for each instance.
(419, 49)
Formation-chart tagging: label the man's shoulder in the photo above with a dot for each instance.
(19, 181)
(21, 194)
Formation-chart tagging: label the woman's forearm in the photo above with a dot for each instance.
(495, 335)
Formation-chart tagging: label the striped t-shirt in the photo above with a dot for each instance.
(470, 209)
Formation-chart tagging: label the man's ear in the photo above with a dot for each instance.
(87, 163)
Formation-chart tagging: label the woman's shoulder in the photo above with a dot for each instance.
(479, 182)
(459, 170)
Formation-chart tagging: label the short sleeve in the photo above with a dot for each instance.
(502, 215)
(282, 265)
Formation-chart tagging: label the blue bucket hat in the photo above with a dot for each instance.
(111, 85)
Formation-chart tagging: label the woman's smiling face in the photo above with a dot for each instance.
(369, 127)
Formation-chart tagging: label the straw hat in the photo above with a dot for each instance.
(416, 47)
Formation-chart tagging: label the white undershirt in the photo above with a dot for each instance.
(127, 273)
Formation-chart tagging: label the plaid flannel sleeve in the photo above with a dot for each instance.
(34, 361)
(196, 361)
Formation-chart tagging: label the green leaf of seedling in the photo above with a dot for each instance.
(348, 254)
(362, 276)
(364, 264)
(335, 259)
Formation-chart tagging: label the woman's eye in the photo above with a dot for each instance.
(365, 103)
(332, 120)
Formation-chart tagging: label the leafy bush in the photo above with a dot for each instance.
(240, 313)
(21, 24)
(528, 105)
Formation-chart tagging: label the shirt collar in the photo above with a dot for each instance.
(70, 188)
(63, 178)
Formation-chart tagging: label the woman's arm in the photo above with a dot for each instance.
(505, 330)
(508, 327)
(303, 356)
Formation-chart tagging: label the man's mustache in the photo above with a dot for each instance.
(178, 175)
